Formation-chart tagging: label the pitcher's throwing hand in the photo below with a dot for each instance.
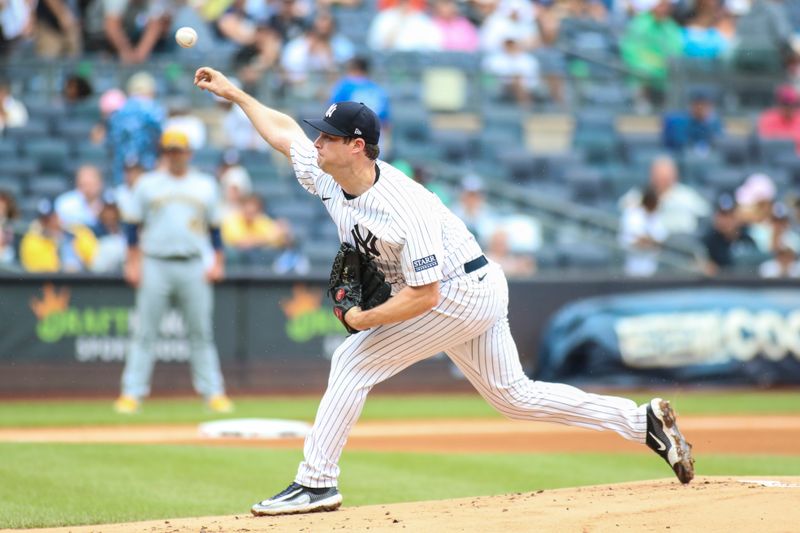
(214, 81)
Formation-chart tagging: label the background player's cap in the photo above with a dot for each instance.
(349, 119)
(174, 140)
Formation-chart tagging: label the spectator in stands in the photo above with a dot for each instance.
(680, 207)
(509, 18)
(258, 54)
(457, 33)
(112, 246)
(726, 239)
(123, 194)
(110, 102)
(83, 204)
(775, 232)
(181, 118)
(697, 130)
(784, 264)
(77, 89)
(755, 198)
(13, 113)
(783, 120)
(234, 181)
(16, 24)
(58, 29)
(320, 50)
(356, 86)
(472, 209)
(709, 31)
(135, 129)
(48, 247)
(8, 217)
(238, 23)
(248, 232)
(514, 265)
(517, 70)
(403, 28)
(651, 39)
(641, 234)
(135, 28)
(291, 19)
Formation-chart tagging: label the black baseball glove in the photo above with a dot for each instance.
(355, 281)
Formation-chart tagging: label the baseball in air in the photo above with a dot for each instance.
(186, 37)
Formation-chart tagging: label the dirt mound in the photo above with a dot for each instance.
(709, 504)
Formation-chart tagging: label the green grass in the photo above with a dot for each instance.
(378, 407)
(51, 484)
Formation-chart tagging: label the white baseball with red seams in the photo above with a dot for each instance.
(415, 240)
(186, 37)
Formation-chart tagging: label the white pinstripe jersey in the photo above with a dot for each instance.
(414, 239)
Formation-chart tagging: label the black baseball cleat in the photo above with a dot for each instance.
(299, 499)
(664, 438)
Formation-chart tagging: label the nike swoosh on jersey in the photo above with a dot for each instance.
(480, 278)
(663, 446)
(326, 198)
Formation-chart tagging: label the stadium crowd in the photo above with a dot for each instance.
(683, 184)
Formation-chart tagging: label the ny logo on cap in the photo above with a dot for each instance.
(330, 111)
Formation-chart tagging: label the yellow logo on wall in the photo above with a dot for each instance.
(306, 318)
(57, 320)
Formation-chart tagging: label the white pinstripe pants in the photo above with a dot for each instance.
(471, 326)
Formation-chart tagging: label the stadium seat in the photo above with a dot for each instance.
(584, 256)
(724, 179)
(50, 153)
(86, 152)
(413, 124)
(19, 168)
(11, 185)
(735, 149)
(521, 165)
(585, 184)
(34, 129)
(456, 146)
(48, 185)
(8, 148)
(769, 150)
(74, 129)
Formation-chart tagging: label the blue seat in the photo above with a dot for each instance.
(34, 129)
(50, 153)
(48, 185)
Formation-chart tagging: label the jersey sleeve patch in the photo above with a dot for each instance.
(425, 263)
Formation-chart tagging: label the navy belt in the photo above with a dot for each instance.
(475, 264)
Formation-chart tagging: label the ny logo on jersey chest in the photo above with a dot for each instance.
(365, 243)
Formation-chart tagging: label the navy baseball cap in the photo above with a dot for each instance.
(349, 119)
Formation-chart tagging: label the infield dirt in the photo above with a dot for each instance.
(708, 504)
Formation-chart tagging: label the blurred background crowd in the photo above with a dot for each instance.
(622, 137)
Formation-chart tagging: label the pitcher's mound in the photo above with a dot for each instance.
(708, 504)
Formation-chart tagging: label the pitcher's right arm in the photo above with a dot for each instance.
(278, 129)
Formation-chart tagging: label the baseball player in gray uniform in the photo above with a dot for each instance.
(171, 215)
(446, 296)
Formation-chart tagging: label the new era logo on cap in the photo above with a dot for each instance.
(349, 119)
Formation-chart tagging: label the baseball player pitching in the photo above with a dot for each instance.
(446, 297)
(176, 209)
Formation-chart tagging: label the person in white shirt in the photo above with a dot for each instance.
(517, 70)
(446, 296)
(641, 233)
(681, 207)
(405, 29)
(83, 204)
(13, 113)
